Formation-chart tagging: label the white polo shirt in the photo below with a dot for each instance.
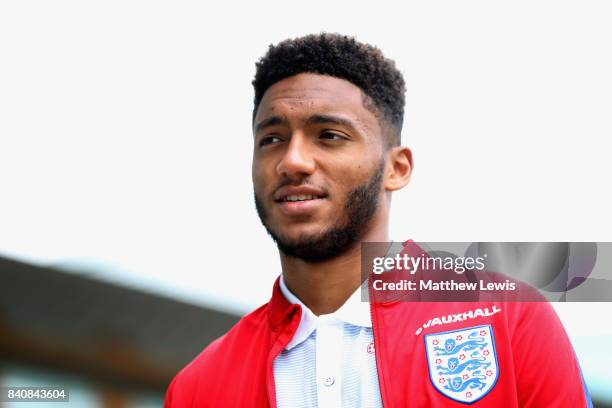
(330, 360)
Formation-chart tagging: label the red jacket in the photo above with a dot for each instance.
(534, 363)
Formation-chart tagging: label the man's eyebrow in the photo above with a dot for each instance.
(330, 120)
(271, 121)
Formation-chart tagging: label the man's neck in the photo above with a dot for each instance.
(325, 286)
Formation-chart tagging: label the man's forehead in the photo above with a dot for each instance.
(309, 91)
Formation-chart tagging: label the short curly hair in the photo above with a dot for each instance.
(342, 57)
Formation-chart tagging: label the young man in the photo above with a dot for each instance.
(327, 156)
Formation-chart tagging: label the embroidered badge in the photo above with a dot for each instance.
(463, 363)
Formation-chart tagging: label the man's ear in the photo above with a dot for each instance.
(399, 168)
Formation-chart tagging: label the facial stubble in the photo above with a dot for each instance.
(359, 211)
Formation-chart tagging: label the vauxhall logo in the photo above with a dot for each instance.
(459, 317)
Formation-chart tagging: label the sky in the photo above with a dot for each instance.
(125, 134)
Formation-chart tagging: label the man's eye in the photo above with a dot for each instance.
(269, 140)
(331, 136)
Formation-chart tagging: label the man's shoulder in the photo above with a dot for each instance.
(231, 359)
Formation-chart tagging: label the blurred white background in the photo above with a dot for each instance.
(125, 137)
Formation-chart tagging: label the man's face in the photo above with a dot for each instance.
(317, 165)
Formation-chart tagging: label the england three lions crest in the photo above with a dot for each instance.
(463, 363)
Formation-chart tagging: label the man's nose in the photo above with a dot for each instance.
(297, 160)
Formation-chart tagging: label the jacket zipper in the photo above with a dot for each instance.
(276, 349)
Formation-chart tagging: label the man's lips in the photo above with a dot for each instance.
(299, 200)
(301, 208)
(298, 194)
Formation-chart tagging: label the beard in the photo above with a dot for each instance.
(359, 210)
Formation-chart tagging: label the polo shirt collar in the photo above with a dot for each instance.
(353, 311)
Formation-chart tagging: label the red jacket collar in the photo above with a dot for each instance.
(280, 311)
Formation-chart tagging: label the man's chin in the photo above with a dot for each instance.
(298, 240)
(315, 247)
